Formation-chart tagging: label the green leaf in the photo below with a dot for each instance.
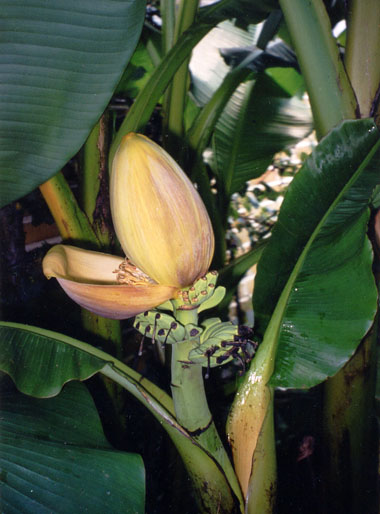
(376, 197)
(59, 65)
(289, 79)
(41, 361)
(315, 272)
(316, 268)
(55, 458)
(259, 120)
(160, 78)
(158, 81)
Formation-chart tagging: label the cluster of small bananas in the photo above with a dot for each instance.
(203, 294)
(214, 342)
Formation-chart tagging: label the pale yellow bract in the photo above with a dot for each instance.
(163, 228)
(158, 215)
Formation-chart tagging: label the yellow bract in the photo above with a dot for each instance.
(158, 215)
(90, 279)
(163, 228)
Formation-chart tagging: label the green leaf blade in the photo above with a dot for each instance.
(46, 467)
(321, 250)
(59, 65)
(39, 363)
(318, 334)
(306, 202)
(259, 120)
(38, 378)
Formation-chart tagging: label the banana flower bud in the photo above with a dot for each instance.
(163, 228)
(159, 217)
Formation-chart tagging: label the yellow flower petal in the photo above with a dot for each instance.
(70, 262)
(119, 301)
(90, 279)
(158, 215)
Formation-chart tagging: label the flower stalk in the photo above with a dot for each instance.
(190, 401)
(187, 385)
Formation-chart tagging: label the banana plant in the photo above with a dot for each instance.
(242, 106)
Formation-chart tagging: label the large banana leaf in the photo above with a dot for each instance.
(55, 458)
(59, 65)
(315, 273)
(40, 362)
(317, 264)
(259, 120)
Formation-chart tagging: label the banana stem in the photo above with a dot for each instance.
(331, 96)
(177, 93)
(261, 494)
(189, 396)
(72, 223)
(94, 186)
(350, 466)
(190, 402)
(214, 491)
(362, 58)
(348, 410)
